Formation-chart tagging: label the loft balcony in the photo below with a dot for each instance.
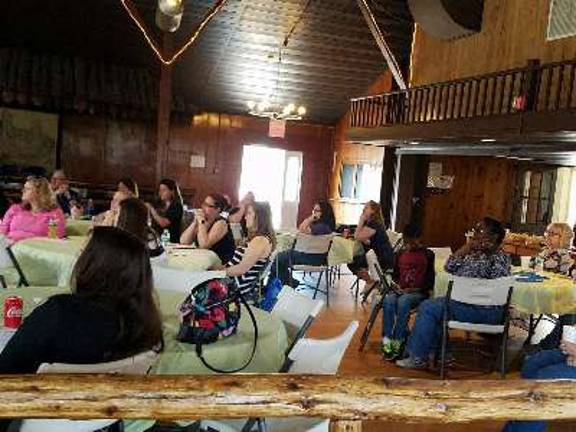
(534, 104)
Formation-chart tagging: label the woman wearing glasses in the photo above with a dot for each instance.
(321, 221)
(555, 255)
(168, 214)
(33, 217)
(210, 230)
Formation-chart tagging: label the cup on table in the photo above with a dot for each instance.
(569, 333)
(525, 262)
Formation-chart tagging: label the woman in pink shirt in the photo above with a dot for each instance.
(32, 217)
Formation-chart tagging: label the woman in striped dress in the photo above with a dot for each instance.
(250, 260)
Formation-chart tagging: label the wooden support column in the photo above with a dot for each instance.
(410, 182)
(346, 426)
(387, 188)
(163, 114)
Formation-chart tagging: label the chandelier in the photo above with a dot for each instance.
(265, 109)
(268, 107)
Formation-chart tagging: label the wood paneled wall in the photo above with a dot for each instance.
(97, 150)
(346, 152)
(483, 186)
(513, 31)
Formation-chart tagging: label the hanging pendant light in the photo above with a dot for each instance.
(169, 14)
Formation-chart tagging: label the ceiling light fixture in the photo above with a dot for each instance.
(487, 140)
(169, 14)
(270, 106)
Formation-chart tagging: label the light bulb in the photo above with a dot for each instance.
(290, 107)
(262, 106)
(251, 104)
(171, 7)
(301, 110)
(286, 110)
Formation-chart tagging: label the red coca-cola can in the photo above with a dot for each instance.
(13, 312)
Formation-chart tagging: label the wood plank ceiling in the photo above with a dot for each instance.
(330, 57)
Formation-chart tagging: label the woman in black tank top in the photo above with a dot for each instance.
(210, 230)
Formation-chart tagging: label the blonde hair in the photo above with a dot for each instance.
(46, 197)
(565, 232)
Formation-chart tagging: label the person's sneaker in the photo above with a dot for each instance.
(412, 363)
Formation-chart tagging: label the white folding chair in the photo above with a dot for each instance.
(173, 279)
(139, 364)
(313, 245)
(9, 267)
(296, 310)
(309, 356)
(478, 292)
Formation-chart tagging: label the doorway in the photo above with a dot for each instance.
(273, 175)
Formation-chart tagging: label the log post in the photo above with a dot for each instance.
(346, 426)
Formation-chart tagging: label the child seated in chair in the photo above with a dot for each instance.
(413, 280)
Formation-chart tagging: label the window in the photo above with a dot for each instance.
(360, 182)
(534, 199)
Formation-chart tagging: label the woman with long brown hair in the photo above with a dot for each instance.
(111, 313)
(33, 217)
(249, 261)
(371, 232)
(133, 217)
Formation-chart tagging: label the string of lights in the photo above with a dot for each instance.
(153, 45)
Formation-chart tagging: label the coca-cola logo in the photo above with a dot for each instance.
(14, 312)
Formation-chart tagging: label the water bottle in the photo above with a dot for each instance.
(52, 228)
(165, 237)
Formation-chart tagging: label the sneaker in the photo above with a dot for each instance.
(412, 363)
(392, 349)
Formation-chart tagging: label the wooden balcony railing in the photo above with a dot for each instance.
(536, 87)
(346, 400)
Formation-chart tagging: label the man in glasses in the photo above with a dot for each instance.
(61, 187)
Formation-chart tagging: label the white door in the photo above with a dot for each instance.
(291, 193)
(273, 175)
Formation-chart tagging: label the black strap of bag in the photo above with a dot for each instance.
(254, 345)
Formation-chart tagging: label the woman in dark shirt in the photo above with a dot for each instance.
(371, 232)
(168, 214)
(210, 230)
(110, 315)
(321, 221)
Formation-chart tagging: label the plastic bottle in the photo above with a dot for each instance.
(165, 237)
(52, 229)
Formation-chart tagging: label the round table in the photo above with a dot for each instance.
(555, 295)
(49, 262)
(76, 227)
(180, 358)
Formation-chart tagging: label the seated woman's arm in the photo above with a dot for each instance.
(160, 220)
(237, 216)
(207, 238)
(7, 220)
(258, 248)
(305, 225)
(189, 234)
(364, 233)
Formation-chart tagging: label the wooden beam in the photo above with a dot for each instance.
(350, 398)
(163, 114)
(381, 42)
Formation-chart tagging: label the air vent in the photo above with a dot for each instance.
(562, 19)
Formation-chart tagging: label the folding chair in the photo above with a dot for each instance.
(308, 356)
(383, 287)
(9, 262)
(478, 292)
(313, 245)
(139, 364)
(297, 311)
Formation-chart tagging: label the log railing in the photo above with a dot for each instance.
(346, 400)
(549, 87)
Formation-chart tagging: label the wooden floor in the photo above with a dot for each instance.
(343, 308)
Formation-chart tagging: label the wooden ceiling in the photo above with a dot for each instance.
(330, 57)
